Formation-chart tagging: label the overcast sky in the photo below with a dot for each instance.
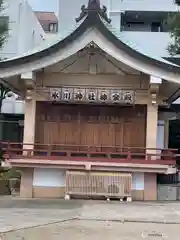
(44, 5)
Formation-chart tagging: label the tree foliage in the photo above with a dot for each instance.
(3, 25)
(3, 37)
(3, 89)
(3, 93)
(173, 23)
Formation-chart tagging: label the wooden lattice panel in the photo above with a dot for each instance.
(106, 184)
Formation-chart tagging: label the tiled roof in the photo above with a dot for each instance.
(119, 35)
(49, 42)
(46, 16)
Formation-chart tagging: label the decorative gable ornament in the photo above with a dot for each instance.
(93, 6)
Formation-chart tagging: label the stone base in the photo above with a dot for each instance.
(137, 195)
(28, 191)
(48, 192)
(26, 183)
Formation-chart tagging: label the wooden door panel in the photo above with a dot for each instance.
(139, 129)
(104, 134)
(95, 130)
(86, 134)
(62, 132)
(111, 135)
(90, 125)
(90, 134)
(127, 134)
(118, 135)
(51, 130)
(39, 135)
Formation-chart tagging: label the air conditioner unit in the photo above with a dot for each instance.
(115, 190)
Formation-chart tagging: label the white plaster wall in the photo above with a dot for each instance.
(44, 177)
(156, 42)
(138, 181)
(25, 31)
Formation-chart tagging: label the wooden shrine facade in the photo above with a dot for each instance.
(90, 125)
(91, 104)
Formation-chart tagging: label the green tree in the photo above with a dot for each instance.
(3, 88)
(3, 37)
(173, 23)
(3, 25)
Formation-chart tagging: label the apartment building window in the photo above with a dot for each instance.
(156, 27)
(135, 26)
(53, 27)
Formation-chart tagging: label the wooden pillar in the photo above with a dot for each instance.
(151, 126)
(29, 122)
(152, 114)
(30, 107)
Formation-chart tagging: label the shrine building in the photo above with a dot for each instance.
(95, 114)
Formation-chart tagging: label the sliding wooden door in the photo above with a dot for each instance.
(90, 125)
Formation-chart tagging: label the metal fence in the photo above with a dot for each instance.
(94, 184)
(167, 192)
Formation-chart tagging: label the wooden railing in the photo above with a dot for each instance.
(88, 153)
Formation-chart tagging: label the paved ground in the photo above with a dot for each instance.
(56, 219)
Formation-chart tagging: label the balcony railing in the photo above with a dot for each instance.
(88, 153)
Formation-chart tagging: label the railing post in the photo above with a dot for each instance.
(28, 149)
(129, 156)
(49, 151)
(88, 151)
(148, 157)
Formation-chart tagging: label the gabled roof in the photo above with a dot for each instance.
(91, 17)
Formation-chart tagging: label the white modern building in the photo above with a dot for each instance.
(140, 22)
(25, 33)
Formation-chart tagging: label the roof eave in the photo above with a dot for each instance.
(92, 20)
